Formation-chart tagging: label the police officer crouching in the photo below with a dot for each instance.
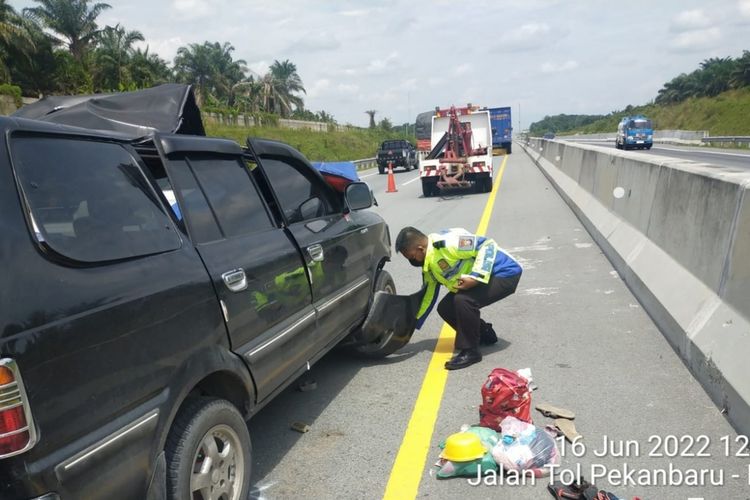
(475, 271)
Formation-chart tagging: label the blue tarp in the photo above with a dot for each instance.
(344, 169)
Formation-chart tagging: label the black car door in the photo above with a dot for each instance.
(333, 244)
(256, 268)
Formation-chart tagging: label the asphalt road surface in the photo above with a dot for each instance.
(591, 348)
(728, 158)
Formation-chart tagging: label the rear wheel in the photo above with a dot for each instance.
(381, 168)
(208, 452)
(385, 344)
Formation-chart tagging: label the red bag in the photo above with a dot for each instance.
(505, 393)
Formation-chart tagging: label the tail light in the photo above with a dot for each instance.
(17, 432)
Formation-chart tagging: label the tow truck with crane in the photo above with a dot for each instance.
(461, 151)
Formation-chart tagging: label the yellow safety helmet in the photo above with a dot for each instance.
(463, 447)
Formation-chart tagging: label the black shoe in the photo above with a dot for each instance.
(464, 358)
(487, 335)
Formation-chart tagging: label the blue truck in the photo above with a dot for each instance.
(634, 132)
(502, 128)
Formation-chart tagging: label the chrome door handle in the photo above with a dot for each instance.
(235, 280)
(316, 253)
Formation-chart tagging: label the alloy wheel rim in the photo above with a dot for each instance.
(218, 466)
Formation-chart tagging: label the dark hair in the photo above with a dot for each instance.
(408, 237)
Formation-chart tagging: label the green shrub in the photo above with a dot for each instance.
(13, 91)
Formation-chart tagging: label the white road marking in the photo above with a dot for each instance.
(409, 182)
(705, 152)
(584, 245)
(369, 175)
(540, 291)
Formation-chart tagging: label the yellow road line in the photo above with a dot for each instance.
(406, 474)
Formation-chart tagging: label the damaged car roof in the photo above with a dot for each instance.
(169, 108)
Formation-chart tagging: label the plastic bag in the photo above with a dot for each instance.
(480, 466)
(525, 447)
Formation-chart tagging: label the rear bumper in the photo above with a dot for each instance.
(398, 161)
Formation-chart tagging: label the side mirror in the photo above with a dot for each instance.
(358, 196)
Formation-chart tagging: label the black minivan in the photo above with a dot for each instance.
(158, 289)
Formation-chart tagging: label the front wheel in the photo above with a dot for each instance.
(385, 344)
(381, 169)
(208, 452)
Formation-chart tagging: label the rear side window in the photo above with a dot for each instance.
(89, 201)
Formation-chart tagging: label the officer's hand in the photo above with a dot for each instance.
(466, 283)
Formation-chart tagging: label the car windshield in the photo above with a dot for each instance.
(393, 145)
(641, 124)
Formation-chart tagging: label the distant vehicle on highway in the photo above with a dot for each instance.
(548, 135)
(502, 128)
(634, 132)
(399, 153)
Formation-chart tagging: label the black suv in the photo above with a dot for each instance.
(399, 153)
(157, 292)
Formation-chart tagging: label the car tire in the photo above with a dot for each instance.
(384, 345)
(428, 189)
(381, 169)
(208, 434)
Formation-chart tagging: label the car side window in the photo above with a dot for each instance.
(231, 193)
(302, 197)
(89, 201)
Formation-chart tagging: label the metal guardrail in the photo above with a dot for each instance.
(365, 163)
(734, 139)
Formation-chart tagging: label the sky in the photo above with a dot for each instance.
(402, 57)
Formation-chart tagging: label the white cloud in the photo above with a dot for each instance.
(553, 67)
(194, 9)
(528, 36)
(386, 64)
(689, 20)
(165, 48)
(347, 88)
(317, 41)
(408, 85)
(744, 7)
(355, 12)
(259, 68)
(318, 87)
(462, 69)
(696, 40)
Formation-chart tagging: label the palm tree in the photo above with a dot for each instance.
(14, 34)
(211, 68)
(147, 70)
(281, 84)
(715, 75)
(247, 95)
(372, 112)
(112, 56)
(74, 21)
(741, 74)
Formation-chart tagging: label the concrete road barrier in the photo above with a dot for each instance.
(678, 233)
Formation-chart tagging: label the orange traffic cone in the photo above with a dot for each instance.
(391, 180)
